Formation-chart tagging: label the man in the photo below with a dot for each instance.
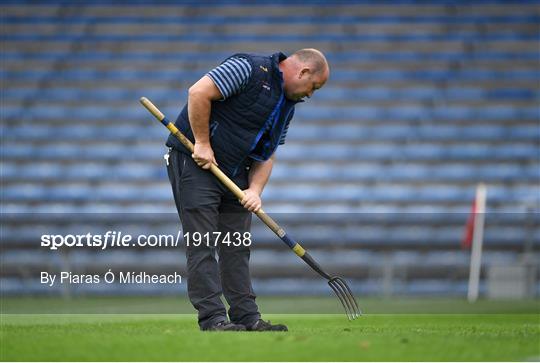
(236, 115)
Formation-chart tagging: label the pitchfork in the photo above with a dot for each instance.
(338, 285)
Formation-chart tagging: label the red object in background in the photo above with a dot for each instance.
(466, 242)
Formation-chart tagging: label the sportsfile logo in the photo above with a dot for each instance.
(113, 239)
(110, 239)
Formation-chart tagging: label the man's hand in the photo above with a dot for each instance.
(203, 155)
(252, 200)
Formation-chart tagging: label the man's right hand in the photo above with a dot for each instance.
(203, 155)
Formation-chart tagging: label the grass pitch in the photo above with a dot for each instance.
(509, 332)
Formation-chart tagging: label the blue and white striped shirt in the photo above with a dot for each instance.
(231, 77)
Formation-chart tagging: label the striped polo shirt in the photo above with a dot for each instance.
(231, 77)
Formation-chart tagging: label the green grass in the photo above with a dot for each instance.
(511, 331)
(274, 305)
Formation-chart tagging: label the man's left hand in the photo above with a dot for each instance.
(252, 201)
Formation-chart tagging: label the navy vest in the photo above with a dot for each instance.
(248, 125)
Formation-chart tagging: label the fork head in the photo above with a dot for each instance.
(346, 297)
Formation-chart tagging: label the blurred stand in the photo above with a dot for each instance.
(424, 101)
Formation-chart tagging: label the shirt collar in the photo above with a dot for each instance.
(279, 56)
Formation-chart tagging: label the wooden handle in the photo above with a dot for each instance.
(224, 179)
(153, 109)
(229, 184)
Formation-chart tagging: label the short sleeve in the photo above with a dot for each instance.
(231, 76)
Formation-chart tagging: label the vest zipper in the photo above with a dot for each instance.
(261, 132)
(287, 121)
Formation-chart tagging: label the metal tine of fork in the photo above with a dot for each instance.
(340, 296)
(352, 299)
(344, 295)
(349, 295)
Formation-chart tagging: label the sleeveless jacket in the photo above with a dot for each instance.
(247, 125)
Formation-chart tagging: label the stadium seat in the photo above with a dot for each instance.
(384, 158)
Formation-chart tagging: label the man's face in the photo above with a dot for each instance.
(304, 83)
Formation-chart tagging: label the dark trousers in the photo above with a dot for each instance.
(205, 205)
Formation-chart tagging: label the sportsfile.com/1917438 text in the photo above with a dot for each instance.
(114, 239)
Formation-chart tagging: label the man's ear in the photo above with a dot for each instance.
(303, 72)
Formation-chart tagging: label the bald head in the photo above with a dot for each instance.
(304, 72)
(313, 58)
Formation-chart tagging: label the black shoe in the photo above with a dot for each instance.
(225, 326)
(262, 325)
